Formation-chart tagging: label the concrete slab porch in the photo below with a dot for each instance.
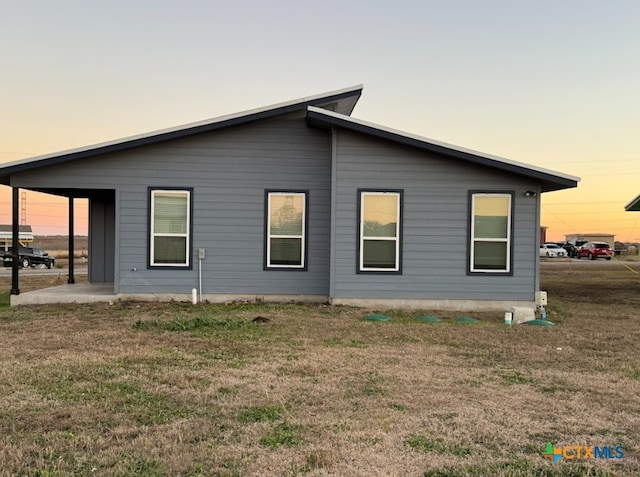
(76, 293)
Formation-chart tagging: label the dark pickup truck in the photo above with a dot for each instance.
(29, 257)
(572, 248)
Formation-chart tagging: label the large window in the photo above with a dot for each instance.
(491, 217)
(170, 228)
(379, 237)
(286, 224)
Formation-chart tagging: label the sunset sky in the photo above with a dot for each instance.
(549, 83)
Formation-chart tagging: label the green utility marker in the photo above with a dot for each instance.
(467, 319)
(428, 319)
(538, 323)
(377, 318)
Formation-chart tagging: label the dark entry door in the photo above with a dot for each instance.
(102, 237)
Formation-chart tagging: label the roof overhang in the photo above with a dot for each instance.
(634, 205)
(549, 180)
(342, 101)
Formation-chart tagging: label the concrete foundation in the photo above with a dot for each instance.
(522, 314)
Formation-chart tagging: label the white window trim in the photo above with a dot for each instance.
(506, 240)
(362, 238)
(153, 235)
(302, 236)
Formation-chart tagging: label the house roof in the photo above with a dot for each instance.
(593, 234)
(339, 104)
(21, 228)
(342, 101)
(550, 180)
(24, 232)
(634, 205)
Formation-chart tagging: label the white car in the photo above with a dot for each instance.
(552, 250)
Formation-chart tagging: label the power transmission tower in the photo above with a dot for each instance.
(23, 208)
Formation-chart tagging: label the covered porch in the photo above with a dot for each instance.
(101, 250)
(83, 292)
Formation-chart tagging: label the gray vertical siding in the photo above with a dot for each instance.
(101, 238)
(229, 171)
(435, 224)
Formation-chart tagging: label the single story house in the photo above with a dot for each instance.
(301, 201)
(634, 205)
(25, 236)
(593, 237)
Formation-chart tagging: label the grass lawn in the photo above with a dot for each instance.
(179, 390)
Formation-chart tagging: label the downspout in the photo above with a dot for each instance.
(334, 208)
(200, 275)
(71, 279)
(15, 243)
(538, 199)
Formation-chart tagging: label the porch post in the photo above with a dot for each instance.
(15, 242)
(71, 277)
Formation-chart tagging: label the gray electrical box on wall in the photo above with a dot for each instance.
(201, 253)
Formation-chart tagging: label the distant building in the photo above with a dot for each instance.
(6, 236)
(592, 237)
(543, 233)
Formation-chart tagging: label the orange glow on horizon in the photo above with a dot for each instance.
(47, 214)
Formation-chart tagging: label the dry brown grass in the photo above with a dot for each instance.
(180, 390)
(58, 246)
(60, 242)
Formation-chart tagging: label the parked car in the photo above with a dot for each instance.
(551, 250)
(572, 248)
(29, 257)
(619, 248)
(593, 250)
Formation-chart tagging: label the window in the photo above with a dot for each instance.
(170, 228)
(379, 236)
(286, 223)
(491, 232)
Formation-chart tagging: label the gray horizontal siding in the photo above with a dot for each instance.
(229, 171)
(435, 235)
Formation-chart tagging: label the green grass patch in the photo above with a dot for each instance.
(296, 469)
(424, 443)
(5, 299)
(141, 467)
(226, 391)
(554, 388)
(198, 323)
(558, 312)
(116, 397)
(284, 434)
(260, 414)
(516, 378)
(373, 384)
(373, 391)
(346, 344)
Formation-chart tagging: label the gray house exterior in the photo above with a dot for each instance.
(300, 201)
